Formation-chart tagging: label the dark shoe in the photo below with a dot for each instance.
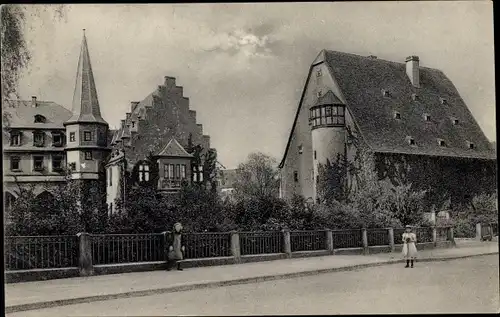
(179, 269)
(407, 266)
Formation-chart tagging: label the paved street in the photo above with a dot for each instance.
(466, 285)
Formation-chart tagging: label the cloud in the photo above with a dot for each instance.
(239, 42)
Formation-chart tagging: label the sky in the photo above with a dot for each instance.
(243, 66)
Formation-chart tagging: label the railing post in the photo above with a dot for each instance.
(329, 240)
(364, 234)
(391, 238)
(235, 246)
(434, 236)
(451, 236)
(287, 246)
(478, 232)
(85, 254)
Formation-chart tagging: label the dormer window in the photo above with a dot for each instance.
(441, 142)
(443, 101)
(410, 140)
(455, 121)
(301, 149)
(397, 115)
(144, 172)
(319, 73)
(386, 93)
(414, 97)
(470, 145)
(427, 117)
(133, 124)
(40, 119)
(320, 93)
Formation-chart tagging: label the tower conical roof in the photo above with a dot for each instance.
(85, 102)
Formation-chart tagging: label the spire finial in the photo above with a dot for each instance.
(83, 31)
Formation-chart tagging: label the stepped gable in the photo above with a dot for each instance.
(163, 115)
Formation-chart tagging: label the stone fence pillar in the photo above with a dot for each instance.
(287, 246)
(364, 235)
(85, 254)
(478, 231)
(434, 236)
(329, 240)
(451, 236)
(391, 238)
(235, 246)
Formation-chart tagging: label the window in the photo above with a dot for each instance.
(441, 142)
(111, 208)
(295, 176)
(319, 73)
(39, 119)
(133, 124)
(327, 115)
(144, 173)
(386, 93)
(315, 156)
(455, 121)
(470, 145)
(38, 163)
(15, 163)
(72, 166)
(320, 93)
(301, 149)
(397, 115)
(110, 176)
(15, 138)
(87, 136)
(411, 141)
(427, 117)
(183, 171)
(88, 155)
(317, 179)
(57, 163)
(38, 139)
(443, 101)
(57, 139)
(171, 171)
(72, 136)
(414, 97)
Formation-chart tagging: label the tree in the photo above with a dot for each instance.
(257, 177)
(15, 53)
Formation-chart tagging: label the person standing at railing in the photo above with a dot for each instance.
(409, 246)
(176, 250)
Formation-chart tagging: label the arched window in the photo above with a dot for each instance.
(40, 119)
(144, 172)
(45, 198)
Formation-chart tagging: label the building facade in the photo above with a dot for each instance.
(401, 112)
(45, 144)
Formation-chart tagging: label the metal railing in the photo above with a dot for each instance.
(206, 245)
(377, 237)
(308, 240)
(261, 242)
(398, 235)
(424, 234)
(347, 239)
(442, 233)
(126, 248)
(40, 252)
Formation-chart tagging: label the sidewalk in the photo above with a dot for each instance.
(41, 294)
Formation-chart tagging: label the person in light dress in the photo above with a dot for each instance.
(409, 246)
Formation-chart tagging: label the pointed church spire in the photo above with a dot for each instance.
(85, 102)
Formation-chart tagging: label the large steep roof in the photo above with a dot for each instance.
(362, 79)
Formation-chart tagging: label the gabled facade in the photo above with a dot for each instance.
(399, 111)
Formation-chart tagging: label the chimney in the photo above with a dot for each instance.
(127, 115)
(122, 125)
(33, 101)
(412, 70)
(133, 104)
